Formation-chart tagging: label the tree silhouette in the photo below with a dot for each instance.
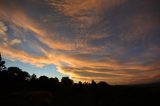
(33, 77)
(2, 64)
(54, 80)
(43, 78)
(17, 73)
(67, 82)
(103, 85)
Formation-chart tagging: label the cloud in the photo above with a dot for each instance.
(15, 41)
(86, 15)
(106, 40)
(84, 9)
(3, 29)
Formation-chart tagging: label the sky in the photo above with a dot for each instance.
(117, 41)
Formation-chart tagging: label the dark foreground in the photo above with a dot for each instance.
(75, 97)
(81, 96)
(19, 89)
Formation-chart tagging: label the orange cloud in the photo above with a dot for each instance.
(3, 30)
(75, 8)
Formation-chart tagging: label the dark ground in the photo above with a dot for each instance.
(41, 94)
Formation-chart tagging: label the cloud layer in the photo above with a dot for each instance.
(112, 40)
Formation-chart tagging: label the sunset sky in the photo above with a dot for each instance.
(117, 41)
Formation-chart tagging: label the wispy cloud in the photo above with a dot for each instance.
(3, 30)
(15, 41)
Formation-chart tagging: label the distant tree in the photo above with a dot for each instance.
(86, 83)
(93, 82)
(43, 78)
(67, 82)
(17, 73)
(2, 64)
(54, 80)
(33, 77)
(103, 84)
(54, 83)
(80, 83)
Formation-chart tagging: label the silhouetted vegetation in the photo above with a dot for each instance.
(18, 88)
